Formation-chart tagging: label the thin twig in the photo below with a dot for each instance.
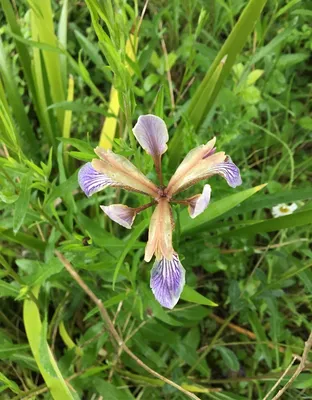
(300, 368)
(280, 379)
(113, 332)
(249, 334)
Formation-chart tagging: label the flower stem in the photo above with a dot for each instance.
(145, 206)
(157, 162)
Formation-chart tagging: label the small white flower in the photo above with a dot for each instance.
(283, 209)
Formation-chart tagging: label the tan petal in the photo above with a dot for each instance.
(122, 171)
(190, 161)
(202, 170)
(160, 233)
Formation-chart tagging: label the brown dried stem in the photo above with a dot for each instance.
(111, 329)
(300, 368)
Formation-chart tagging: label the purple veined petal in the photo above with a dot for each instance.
(229, 171)
(92, 181)
(167, 281)
(125, 174)
(199, 203)
(121, 214)
(152, 134)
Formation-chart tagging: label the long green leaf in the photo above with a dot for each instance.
(203, 99)
(190, 294)
(214, 210)
(49, 370)
(42, 23)
(18, 108)
(274, 224)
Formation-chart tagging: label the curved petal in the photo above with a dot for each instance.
(92, 181)
(167, 281)
(123, 172)
(121, 214)
(199, 203)
(160, 232)
(229, 171)
(190, 161)
(151, 132)
(217, 163)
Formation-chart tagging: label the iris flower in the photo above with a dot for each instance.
(112, 170)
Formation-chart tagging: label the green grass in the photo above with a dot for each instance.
(246, 310)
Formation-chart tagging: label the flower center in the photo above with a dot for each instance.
(162, 193)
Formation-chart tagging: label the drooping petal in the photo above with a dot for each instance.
(229, 171)
(167, 281)
(151, 132)
(199, 203)
(192, 158)
(122, 171)
(121, 214)
(92, 181)
(160, 232)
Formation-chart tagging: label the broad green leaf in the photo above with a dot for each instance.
(254, 76)
(229, 358)
(22, 202)
(8, 289)
(214, 210)
(189, 294)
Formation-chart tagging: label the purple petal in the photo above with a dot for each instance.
(151, 132)
(121, 214)
(92, 181)
(229, 171)
(167, 281)
(199, 203)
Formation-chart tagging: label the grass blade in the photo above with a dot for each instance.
(49, 370)
(208, 90)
